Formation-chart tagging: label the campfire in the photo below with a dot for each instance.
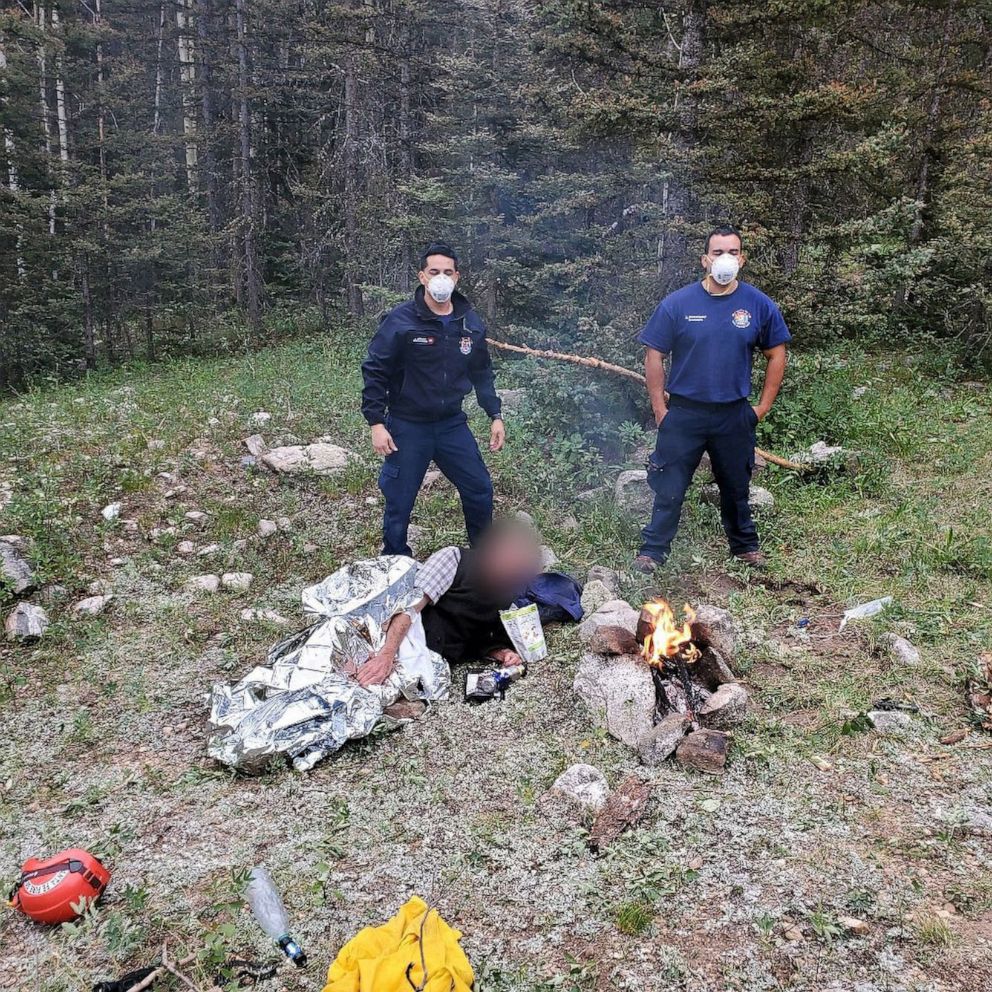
(668, 648)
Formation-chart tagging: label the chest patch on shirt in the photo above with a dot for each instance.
(465, 346)
(424, 339)
(741, 318)
(695, 317)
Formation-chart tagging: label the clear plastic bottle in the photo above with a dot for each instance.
(267, 907)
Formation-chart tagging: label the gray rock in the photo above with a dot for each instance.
(54, 594)
(524, 517)
(256, 445)
(185, 548)
(890, 721)
(594, 595)
(513, 399)
(632, 492)
(207, 550)
(260, 418)
(619, 693)
(570, 525)
(92, 606)
(431, 478)
(660, 742)
(726, 708)
(414, 536)
(759, 498)
(237, 581)
(266, 528)
(607, 576)
(320, 459)
(284, 523)
(582, 785)
(822, 453)
(100, 587)
(111, 511)
(615, 613)
(268, 616)
(14, 568)
(548, 558)
(712, 670)
(716, 628)
(901, 650)
(203, 583)
(26, 623)
(197, 517)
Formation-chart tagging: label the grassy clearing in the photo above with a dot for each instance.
(737, 883)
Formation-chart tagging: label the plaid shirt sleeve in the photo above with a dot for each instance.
(435, 576)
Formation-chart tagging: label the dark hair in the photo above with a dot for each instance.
(722, 231)
(438, 248)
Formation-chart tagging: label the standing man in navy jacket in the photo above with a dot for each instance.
(426, 356)
(711, 330)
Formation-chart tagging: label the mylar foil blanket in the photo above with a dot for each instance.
(303, 703)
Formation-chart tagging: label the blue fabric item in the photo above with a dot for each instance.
(452, 447)
(420, 367)
(712, 340)
(726, 431)
(558, 598)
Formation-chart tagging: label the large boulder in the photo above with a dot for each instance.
(633, 493)
(615, 613)
(321, 458)
(619, 693)
(14, 568)
(26, 623)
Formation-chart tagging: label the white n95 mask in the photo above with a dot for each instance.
(441, 287)
(724, 269)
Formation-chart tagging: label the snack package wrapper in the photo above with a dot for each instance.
(523, 624)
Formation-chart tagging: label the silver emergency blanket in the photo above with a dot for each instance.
(305, 701)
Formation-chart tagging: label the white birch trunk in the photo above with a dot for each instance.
(46, 114)
(158, 69)
(60, 110)
(187, 85)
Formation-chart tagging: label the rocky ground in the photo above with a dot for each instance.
(837, 851)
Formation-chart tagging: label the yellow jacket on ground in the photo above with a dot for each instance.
(377, 958)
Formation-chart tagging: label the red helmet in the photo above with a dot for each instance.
(61, 888)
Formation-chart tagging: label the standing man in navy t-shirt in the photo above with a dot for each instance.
(710, 329)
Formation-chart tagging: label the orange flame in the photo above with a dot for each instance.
(667, 638)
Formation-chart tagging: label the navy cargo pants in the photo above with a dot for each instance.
(452, 446)
(726, 432)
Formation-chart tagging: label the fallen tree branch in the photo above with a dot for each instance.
(598, 363)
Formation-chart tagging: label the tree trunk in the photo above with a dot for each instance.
(249, 208)
(60, 108)
(13, 183)
(356, 305)
(187, 86)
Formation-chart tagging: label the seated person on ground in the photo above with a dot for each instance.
(464, 590)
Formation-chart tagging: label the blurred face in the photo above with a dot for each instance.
(723, 244)
(509, 562)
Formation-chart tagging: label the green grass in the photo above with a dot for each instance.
(912, 523)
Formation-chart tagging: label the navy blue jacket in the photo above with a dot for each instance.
(418, 369)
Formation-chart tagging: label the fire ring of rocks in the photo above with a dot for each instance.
(663, 686)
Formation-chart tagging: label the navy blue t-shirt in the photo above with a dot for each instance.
(712, 339)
